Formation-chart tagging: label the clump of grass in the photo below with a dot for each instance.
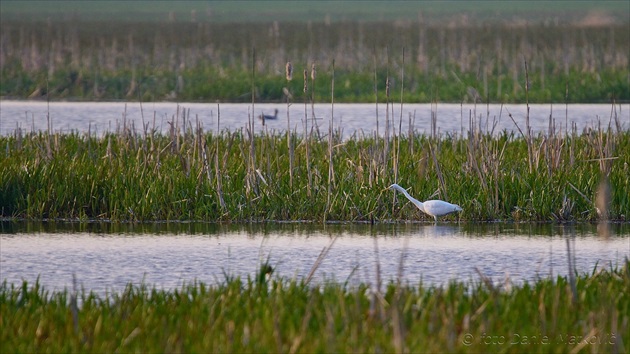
(271, 314)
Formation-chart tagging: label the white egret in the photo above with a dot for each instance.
(434, 208)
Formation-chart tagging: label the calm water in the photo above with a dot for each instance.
(106, 257)
(101, 117)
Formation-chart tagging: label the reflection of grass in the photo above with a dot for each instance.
(190, 174)
(279, 315)
(212, 61)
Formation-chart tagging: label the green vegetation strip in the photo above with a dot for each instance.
(189, 174)
(207, 61)
(586, 312)
(186, 11)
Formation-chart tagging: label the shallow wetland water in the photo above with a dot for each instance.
(353, 120)
(106, 257)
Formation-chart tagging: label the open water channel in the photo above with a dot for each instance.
(352, 120)
(106, 257)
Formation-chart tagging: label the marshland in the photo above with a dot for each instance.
(205, 54)
(207, 229)
(238, 176)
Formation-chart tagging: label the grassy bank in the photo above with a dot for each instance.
(586, 312)
(190, 174)
(207, 61)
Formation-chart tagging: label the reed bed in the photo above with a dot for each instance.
(267, 314)
(207, 61)
(136, 174)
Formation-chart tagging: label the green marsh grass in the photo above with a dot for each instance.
(191, 174)
(262, 314)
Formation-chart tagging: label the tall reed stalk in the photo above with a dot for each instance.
(528, 130)
(217, 167)
(330, 140)
(376, 94)
(402, 91)
(387, 117)
(252, 181)
(307, 134)
(314, 123)
(289, 77)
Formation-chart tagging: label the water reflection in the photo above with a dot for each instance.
(105, 257)
(301, 228)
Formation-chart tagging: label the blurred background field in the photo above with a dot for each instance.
(264, 11)
(454, 51)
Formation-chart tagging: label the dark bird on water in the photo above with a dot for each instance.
(264, 117)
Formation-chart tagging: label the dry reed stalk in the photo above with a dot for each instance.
(49, 122)
(289, 71)
(411, 125)
(197, 135)
(398, 338)
(319, 260)
(474, 141)
(379, 280)
(376, 94)
(602, 198)
(377, 295)
(374, 162)
(306, 134)
(613, 114)
(330, 140)
(604, 144)
(533, 155)
(438, 170)
(289, 77)
(587, 199)
(397, 321)
(73, 304)
(497, 162)
(570, 240)
(251, 178)
(528, 129)
(314, 124)
(303, 328)
(387, 122)
(487, 281)
(386, 146)
(602, 205)
(205, 162)
(491, 158)
(277, 333)
(216, 163)
(566, 109)
(434, 120)
(402, 91)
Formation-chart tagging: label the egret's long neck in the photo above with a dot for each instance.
(411, 199)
